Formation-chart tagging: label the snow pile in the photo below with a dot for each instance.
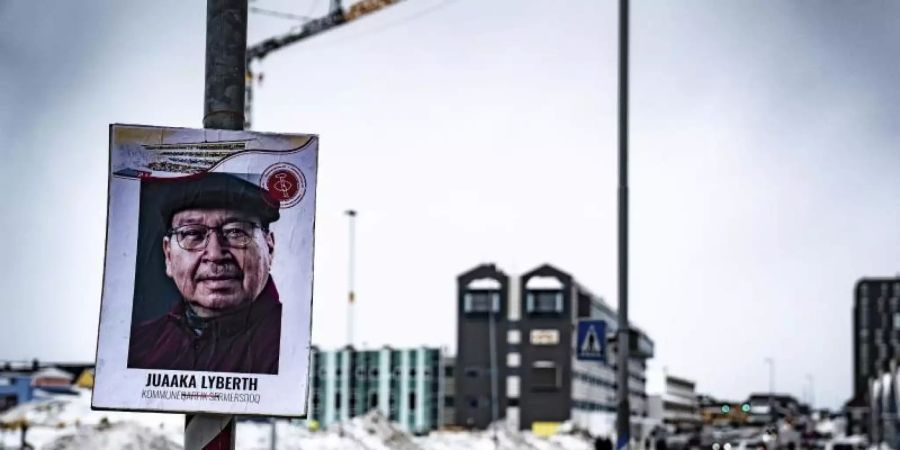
(70, 415)
(374, 431)
(62, 422)
(506, 439)
(113, 437)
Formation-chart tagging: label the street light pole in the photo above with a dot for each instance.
(771, 363)
(623, 407)
(351, 275)
(492, 336)
(812, 391)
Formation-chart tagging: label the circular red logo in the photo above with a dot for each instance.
(285, 183)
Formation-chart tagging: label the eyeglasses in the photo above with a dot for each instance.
(195, 236)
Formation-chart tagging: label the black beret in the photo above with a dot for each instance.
(215, 190)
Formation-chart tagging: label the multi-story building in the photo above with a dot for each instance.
(447, 413)
(676, 405)
(876, 342)
(481, 346)
(404, 384)
(516, 356)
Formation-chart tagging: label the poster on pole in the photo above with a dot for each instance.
(208, 276)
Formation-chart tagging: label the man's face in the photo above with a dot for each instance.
(219, 276)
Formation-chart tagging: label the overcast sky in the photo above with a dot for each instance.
(764, 164)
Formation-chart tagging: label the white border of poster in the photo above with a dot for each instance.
(136, 273)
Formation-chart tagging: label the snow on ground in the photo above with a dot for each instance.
(506, 440)
(64, 422)
(124, 435)
(60, 415)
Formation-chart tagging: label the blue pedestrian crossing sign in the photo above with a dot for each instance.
(591, 342)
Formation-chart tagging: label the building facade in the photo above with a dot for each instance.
(15, 389)
(876, 342)
(516, 356)
(405, 385)
(677, 405)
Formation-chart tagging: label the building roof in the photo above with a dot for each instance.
(53, 372)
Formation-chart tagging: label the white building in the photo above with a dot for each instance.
(673, 402)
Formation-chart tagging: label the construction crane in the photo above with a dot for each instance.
(336, 17)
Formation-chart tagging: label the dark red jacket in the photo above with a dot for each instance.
(244, 341)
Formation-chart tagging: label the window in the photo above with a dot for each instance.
(513, 337)
(545, 376)
(512, 386)
(481, 302)
(472, 372)
(373, 400)
(544, 302)
(513, 359)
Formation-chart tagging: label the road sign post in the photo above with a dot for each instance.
(623, 406)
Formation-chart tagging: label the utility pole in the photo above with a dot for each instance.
(223, 108)
(772, 416)
(623, 406)
(492, 353)
(812, 391)
(351, 275)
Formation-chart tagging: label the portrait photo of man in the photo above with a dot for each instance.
(204, 296)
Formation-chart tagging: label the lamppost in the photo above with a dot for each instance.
(351, 275)
(493, 300)
(772, 417)
(812, 391)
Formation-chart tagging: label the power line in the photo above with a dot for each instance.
(279, 14)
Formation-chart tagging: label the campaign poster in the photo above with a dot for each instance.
(208, 277)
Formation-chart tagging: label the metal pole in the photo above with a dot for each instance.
(351, 275)
(772, 416)
(492, 336)
(226, 66)
(623, 407)
(223, 108)
(812, 391)
(273, 434)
